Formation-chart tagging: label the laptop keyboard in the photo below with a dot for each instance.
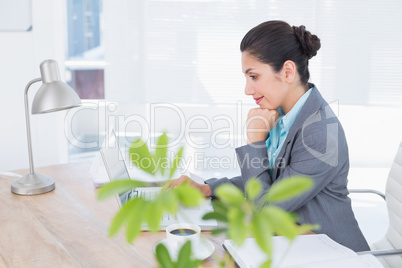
(166, 216)
(149, 196)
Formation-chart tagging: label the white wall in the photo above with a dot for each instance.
(20, 56)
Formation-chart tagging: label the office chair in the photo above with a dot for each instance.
(389, 248)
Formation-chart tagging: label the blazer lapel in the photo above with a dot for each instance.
(312, 104)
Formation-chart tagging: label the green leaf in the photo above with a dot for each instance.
(154, 215)
(220, 207)
(176, 162)
(117, 187)
(237, 227)
(135, 219)
(281, 222)
(230, 194)
(184, 258)
(196, 263)
(215, 216)
(163, 257)
(288, 188)
(253, 188)
(218, 231)
(262, 232)
(121, 217)
(294, 216)
(302, 229)
(188, 195)
(161, 153)
(117, 222)
(169, 201)
(266, 264)
(141, 157)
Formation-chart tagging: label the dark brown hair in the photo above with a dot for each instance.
(274, 42)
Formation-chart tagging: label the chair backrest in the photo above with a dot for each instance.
(393, 193)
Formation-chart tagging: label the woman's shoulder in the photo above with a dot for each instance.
(315, 114)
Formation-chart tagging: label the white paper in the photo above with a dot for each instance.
(306, 249)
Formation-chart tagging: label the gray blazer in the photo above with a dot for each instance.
(316, 147)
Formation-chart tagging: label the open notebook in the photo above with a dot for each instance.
(313, 251)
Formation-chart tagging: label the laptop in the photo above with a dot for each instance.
(116, 169)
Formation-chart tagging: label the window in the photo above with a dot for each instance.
(85, 60)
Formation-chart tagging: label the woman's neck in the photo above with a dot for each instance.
(294, 94)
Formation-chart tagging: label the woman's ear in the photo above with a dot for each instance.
(290, 71)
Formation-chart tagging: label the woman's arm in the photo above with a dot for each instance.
(214, 183)
(318, 152)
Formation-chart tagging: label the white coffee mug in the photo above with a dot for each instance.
(179, 233)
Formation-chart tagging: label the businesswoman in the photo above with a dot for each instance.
(293, 131)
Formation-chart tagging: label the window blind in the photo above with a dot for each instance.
(188, 51)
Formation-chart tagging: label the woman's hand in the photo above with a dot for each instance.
(259, 122)
(204, 188)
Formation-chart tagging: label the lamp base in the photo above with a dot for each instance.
(32, 184)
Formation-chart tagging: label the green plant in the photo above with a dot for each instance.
(138, 211)
(255, 214)
(157, 162)
(184, 259)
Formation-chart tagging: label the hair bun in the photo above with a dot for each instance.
(310, 43)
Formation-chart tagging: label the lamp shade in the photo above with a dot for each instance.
(54, 95)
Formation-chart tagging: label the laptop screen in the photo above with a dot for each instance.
(114, 164)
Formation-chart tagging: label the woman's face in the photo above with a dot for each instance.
(262, 83)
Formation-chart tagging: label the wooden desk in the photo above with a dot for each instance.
(68, 226)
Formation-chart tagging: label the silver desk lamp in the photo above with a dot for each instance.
(54, 95)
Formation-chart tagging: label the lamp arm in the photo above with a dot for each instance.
(28, 125)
